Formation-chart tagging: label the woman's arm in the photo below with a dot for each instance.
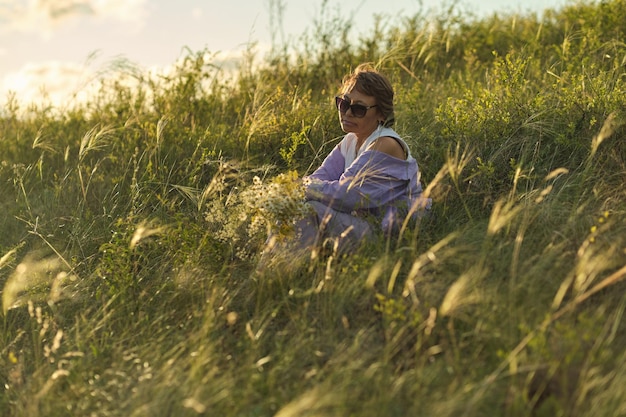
(332, 167)
(367, 184)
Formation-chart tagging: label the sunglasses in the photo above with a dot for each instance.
(358, 110)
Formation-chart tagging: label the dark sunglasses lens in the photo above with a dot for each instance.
(358, 110)
(342, 105)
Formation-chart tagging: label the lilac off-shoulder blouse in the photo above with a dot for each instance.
(367, 181)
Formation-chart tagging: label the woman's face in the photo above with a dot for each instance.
(363, 126)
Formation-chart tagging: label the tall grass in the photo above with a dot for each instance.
(132, 230)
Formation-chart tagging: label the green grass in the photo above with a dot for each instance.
(131, 234)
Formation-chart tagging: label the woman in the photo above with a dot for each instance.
(369, 180)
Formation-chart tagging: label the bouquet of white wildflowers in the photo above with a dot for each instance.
(277, 204)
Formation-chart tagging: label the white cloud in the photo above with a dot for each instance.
(59, 83)
(47, 15)
(126, 10)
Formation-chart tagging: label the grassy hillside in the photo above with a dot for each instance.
(132, 226)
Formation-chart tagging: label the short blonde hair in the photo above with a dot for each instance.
(367, 80)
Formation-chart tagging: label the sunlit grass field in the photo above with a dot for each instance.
(132, 226)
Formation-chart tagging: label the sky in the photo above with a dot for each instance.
(59, 46)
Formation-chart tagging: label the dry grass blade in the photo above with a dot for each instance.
(161, 124)
(41, 142)
(32, 280)
(611, 124)
(309, 403)
(462, 293)
(95, 138)
(7, 257)
(143, 231)
(502, 215)
(432, 255)
(612, 279)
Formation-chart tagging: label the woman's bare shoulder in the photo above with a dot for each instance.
(390, 146)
